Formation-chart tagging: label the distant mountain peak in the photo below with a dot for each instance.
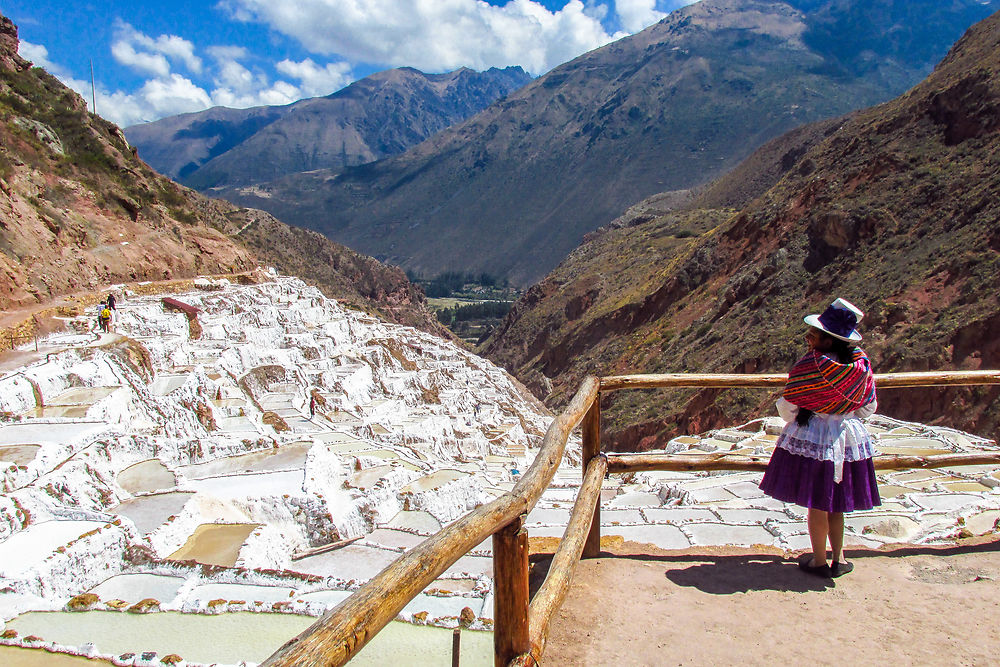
(513, 189)
(374, 117)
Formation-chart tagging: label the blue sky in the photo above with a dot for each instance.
(153, 59)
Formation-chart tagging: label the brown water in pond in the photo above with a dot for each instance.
(146, 476)
(36, 657)
(215, 543)
(287, 457)
(67, 411)
(20, 455)
(81, 396)
(366, 479)
(433, 481)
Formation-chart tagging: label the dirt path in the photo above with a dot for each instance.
(913, 606)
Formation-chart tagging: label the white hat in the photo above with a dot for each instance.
(839, 320)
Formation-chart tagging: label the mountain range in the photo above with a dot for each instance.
(513, 189)
(375, 117)
(80, 211)
(895, 208)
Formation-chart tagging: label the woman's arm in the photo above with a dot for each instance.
(866, 411)
(786, 410)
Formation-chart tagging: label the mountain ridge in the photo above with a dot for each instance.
(893, 207)
(380, 115)
(513, 189)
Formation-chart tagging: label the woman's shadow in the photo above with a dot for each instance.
(714, 574)
(725, 575)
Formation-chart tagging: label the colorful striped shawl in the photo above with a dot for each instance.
(821, 384)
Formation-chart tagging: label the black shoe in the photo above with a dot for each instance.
(819, 570)
(840, 569)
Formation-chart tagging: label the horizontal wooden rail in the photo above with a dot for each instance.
(552, 592)
(341, 632)
(727, 381)
(618, 463)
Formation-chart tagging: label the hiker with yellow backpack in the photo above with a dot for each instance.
(104, 319)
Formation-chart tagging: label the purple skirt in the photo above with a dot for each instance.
(792, 478)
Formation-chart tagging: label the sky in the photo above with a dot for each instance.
(158, 58)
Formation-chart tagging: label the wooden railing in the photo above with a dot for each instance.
(521, 625)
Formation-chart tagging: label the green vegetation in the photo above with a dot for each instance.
(457, 284)
(471, 305)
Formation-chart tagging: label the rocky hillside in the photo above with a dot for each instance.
(79, 210)
(895, 208)
(378, 116)
(515, 188)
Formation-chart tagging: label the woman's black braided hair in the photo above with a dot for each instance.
(842, 351)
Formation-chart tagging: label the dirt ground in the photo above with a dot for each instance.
(909, 606)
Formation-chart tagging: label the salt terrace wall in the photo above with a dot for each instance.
(118, 450)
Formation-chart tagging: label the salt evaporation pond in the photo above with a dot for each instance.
(26, 657)
(208, 592)
(433, 481)
(287, 457)
(242, 636)
(418, 520)
(146, 476)
(20, 455)
(135, 587)
(215, 543)
(20, 551)
(351, 562)
(40, 433)
(251, 485)
(150, 512)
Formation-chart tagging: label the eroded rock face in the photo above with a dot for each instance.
(8, 45)
(79, 211)
(894, 207)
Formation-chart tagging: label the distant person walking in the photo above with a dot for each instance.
(312, 406)
(823, 458)
(105, 319)
(111, 301)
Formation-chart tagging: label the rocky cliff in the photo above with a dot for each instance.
(894, 208)
(79, 210)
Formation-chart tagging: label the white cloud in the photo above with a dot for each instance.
(149, 63)
(36, 53)
(144, 53)
(637, 14)
(435, 35)
(223, 53)
(314, 79)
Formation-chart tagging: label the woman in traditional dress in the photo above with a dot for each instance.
(823, 458)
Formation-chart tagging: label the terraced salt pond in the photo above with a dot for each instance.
(20, 455)
(231, 638)
(215, 543)
(135, 587)
(151, 511)
(259, 484)
(378, 469)
(287, 457)
(433, 481)
(146, 476)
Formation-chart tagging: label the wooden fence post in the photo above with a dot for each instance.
(591, 448)
(510, 594)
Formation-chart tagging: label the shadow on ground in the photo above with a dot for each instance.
(725, 574)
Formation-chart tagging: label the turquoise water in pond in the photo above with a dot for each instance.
(231, 638)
